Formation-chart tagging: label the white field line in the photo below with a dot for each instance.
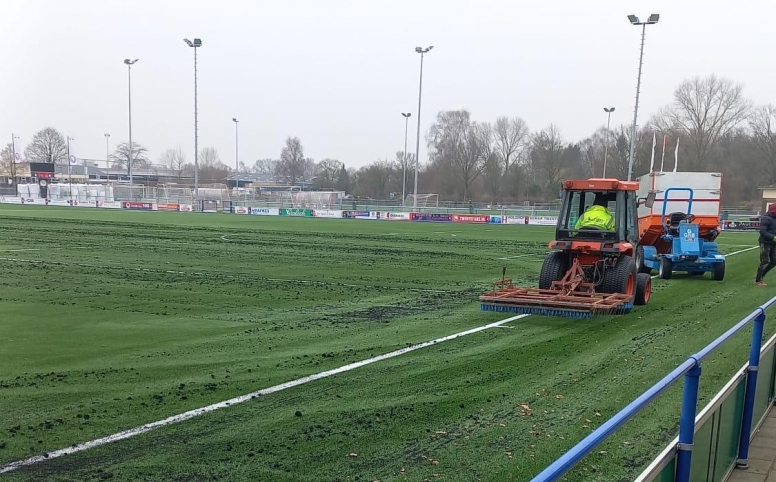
(266, 391)
(243, 398)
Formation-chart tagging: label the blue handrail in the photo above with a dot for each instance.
(665, 201)
(690, 368)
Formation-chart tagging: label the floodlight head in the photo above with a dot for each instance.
(653, 18)
(234, 119)
(188, 42)
(633, 19)
(197, 42)
(127, 61)
(608, 109)
(418, 49)
(406, 114)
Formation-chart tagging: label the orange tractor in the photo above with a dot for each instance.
(590, 270)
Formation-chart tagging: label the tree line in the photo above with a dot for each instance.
(717, 128)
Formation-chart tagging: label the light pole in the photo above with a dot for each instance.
(129, 78)
(404, 159)
(609, 111)
(422, 52)
(236, 155)
(69, 169)
(635, 21)
(107, 150)
(195, 44)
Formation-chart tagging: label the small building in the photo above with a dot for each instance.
(768, 197)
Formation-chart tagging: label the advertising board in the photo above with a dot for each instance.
(110, 204)
(392, 216)
(167, 207)
(741, 225)
(431, 217)
(471, 218)
(361, 214)
(185, 208)
(265, 211)
(297, 212)
(240, 210)
(495, 220)
(138, 206)
(327, 213)
(543, 220)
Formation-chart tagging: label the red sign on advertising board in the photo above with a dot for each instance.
(167, 207)
(471, 218)
(137, 205)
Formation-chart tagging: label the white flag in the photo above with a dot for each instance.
(17, 153)
(652, 161)
(663, 156)
(676, 154)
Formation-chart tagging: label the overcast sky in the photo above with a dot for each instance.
(338, 73)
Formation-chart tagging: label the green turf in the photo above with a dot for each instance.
(112, 319)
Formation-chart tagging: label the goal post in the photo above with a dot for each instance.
(424, 200)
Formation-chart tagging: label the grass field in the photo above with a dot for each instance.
(113, 319)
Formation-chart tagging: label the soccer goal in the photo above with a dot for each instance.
(424, 200)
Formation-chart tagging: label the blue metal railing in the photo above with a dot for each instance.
(691, 370)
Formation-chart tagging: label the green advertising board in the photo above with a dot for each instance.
(298, 212)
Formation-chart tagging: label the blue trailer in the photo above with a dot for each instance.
(682, 247)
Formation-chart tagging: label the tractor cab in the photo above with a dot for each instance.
(598, 210)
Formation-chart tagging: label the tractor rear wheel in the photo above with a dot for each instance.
(666, 268)
(555, 266)
(718, 271)
(621, 278)
(640, 266)
(643, 289)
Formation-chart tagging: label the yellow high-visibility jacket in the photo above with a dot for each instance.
(597, 216)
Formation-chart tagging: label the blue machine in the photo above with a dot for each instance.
(688, 252)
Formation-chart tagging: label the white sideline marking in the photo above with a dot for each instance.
(243, 398)
(22, 249)
(265, 391)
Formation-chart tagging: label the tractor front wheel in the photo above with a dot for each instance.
(643, 289)
(621, 278)
(718, 271)
(666, 268)
(555, 266)
(640, 265)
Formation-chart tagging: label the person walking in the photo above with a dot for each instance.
(767, 244)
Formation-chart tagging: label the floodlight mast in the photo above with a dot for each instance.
(422, 52)
(634, 20)
(195, 44)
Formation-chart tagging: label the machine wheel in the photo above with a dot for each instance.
(555, 266)
(643, 289)
(640, 266)
(621, 278)
(718, 271)
(666, 268)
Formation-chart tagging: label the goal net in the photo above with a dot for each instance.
(424, 200)
(316, 199)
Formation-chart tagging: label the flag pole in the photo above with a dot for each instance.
(676, 154)
(652, 159)
(663, 156)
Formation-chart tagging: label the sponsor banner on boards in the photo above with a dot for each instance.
(495, 220)
(110, 204)
(431, 217)
(185, 208)
(167, 206)
(741, 225)
(361, 214)
(327, 213)
(265, 211)
(392, 216)
(241, 210)
(297, 212)
(471, 218)
(543, 220)
(138, 206)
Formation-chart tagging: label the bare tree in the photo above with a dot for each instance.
(264, 167)
(292, 164)
(704, 110)
(454, 141)
(120, 156)
(211, 169)
(547, 156)
(7, 165)
(374, 178)
(511, 137)
(328, 171)
(47, 146)
(175, 160)
(208, 156)
(762, 124)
